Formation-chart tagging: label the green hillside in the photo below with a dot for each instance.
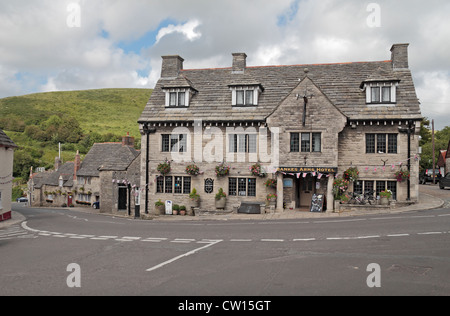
(77, 119)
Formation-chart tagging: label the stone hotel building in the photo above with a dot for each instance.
(237, 128)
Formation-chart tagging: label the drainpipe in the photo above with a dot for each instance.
(409, 160)
(147, 131)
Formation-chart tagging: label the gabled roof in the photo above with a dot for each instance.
(340, 82)
(5, 141)
(109, 156)
(52, 178)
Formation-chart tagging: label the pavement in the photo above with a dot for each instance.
(430, 198)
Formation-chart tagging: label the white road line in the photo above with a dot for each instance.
(272, 240)
(430, 233)
(109, 237)
(121, 239)
(182, 256)
(399, 235)
(241, 240)
(131, 238)
(368, 237)
(305, 239)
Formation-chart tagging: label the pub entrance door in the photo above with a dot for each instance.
(306, 189)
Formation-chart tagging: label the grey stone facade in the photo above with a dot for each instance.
(315, 120)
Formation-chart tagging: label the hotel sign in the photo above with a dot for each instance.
(324, 170)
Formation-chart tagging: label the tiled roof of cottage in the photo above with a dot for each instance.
(340, 82)
(52, 178)
(5, 141)
(107, 156)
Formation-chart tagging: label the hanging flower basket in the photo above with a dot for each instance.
(351, 174)
(222, 170)
(258, 171)
(402, 175)
(164, 168)
(193, 170)
(271, 183)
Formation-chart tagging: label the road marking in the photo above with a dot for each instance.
(183, 256)
(430, 233)
(399, 235)
(131, 238)
(305, 239)
(272, 240)
(368, 237)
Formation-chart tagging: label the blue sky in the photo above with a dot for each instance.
(119, 43)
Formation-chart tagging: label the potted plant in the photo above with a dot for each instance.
(222, 170)
(271, 199)
(164, 168)
(385, 196)
(192, 170)
(258, 171)
(221, 199)
(175, 209)
(182, 210)
(160, 208)
(402, 175)
(195, 198)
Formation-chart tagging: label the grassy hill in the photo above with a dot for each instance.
(99, 114)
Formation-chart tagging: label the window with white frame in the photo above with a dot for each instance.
(381, 93)
(177, 98)
(245, 95)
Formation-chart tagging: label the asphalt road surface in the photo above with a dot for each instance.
(63, 252)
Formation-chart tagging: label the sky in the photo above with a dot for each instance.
(61, 45)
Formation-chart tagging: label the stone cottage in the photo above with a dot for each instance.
(7, 147)
(89, 183)
(284, 132)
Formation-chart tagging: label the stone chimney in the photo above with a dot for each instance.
(128, 140)
(400, 56)
(171, 66)
(239, 63)
(76, 165)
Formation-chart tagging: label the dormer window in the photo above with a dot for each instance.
(245, 95)
(178, 98)
(381, 93)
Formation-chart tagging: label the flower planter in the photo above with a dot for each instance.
(384, 201)
(160, 210)
(220, 204)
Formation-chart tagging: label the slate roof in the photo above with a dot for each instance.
(5, 141)
(340, 82)
(52, 178)
(107, 156)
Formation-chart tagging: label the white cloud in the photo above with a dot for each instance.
(187, 29)
(38, 51)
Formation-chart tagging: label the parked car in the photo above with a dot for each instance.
(445, 181)
(427, 176)
(22, 199)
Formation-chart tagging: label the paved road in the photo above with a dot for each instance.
(118, 256)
